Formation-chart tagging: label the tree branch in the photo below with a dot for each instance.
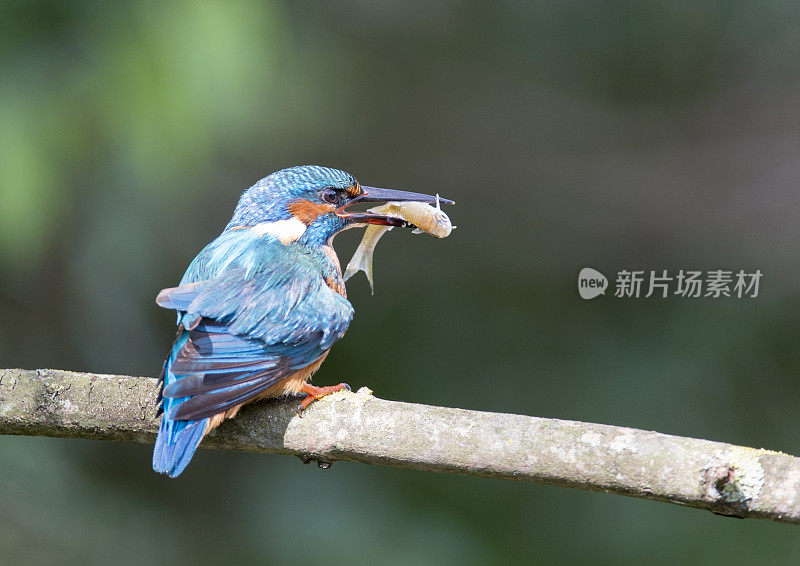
(357, 427)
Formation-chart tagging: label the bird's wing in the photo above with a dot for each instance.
(246, 332)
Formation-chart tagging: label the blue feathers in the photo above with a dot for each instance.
(174, 451)
(262, 289)
(268, 198)
(177, 440)
(253, 311)
(260, 306)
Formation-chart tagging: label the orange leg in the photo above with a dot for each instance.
(314, 393)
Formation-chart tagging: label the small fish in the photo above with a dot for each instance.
(425, 217)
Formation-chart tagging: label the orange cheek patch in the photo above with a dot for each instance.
(307, 211)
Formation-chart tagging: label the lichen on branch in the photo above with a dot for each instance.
(358, 427)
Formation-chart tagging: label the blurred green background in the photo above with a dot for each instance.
(617, 135)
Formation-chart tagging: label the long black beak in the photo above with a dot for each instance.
(374, 194)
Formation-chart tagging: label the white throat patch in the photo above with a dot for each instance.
(287, 231)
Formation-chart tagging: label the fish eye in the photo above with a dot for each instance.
(331, 195)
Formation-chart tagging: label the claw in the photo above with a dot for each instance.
(314, 393)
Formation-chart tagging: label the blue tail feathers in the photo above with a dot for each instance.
(177, 440)
(174, 451)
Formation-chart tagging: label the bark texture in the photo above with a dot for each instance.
(358, 427)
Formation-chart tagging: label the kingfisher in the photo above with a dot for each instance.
(260, 306)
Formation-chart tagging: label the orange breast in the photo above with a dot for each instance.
(290, 385)
(333, 283)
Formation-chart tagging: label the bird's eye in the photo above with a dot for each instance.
(330, 195)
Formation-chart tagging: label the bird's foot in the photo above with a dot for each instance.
(314, 393)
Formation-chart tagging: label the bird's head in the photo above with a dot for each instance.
(307, 204)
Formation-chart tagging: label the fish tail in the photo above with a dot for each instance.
(362, 258)
(361, 261)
